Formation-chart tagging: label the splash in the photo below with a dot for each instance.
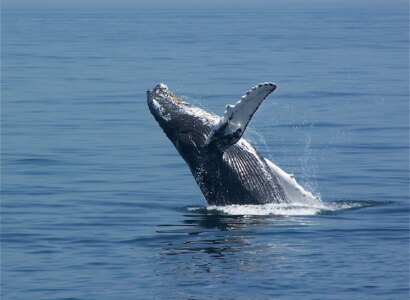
(268, 209)
(283, 209)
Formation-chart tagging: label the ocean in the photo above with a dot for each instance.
(96, 203)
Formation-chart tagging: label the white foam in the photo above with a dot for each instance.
(293, 209)
(268, 209)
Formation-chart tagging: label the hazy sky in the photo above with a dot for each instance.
(112, 3)
(175, 4)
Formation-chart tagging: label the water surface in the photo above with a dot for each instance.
(97, 204)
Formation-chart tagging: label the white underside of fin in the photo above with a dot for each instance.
(237, 116)
(295, 192)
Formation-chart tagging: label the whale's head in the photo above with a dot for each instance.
(185, 125)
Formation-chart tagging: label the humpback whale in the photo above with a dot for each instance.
(226, 167)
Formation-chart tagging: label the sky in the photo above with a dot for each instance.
(175, 4)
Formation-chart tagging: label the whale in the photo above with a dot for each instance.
(226, 167)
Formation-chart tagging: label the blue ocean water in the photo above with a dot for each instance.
(97, 204)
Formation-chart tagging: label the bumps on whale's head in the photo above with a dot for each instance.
(162, 90)
(161, 86)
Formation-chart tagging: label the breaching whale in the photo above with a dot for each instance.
(226, 167)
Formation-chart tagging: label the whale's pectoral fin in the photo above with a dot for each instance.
(230, 128)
